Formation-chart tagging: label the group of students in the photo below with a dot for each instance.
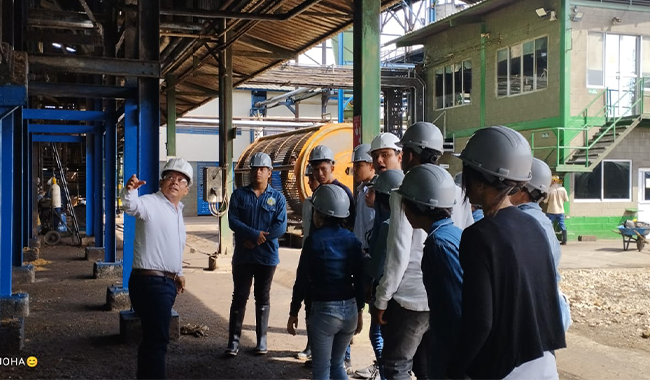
(450, 296)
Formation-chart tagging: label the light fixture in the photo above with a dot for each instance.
(541, 12)
(70, 49)
(553, 16)
(56, 45)
(616, 20)
(577, 16)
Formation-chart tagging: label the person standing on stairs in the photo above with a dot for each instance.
(258, 217)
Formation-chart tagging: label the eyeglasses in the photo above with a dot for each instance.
(175, 178)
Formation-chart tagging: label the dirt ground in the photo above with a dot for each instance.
(73, 336)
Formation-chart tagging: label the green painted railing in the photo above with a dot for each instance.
(586, 122)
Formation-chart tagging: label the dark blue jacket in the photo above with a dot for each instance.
(248, 215)
(330, 268)
(443, 278)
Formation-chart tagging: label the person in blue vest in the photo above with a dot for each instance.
(527, 200)
(258, 217)
(428, 195)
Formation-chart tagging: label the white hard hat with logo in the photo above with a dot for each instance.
(385, 141)
(181, 166)
(321, 153)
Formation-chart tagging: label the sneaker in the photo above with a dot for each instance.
(368, 372)
(348, 367)
(304, 355)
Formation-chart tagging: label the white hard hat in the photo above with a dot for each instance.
(308, 170)
(362, 153)
(261, 160)
(321, 153)
(388, 181)
(385, 141)
(541, 176)
(181, 166)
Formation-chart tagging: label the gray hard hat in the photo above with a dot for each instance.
(362, 153)
(430, 186)
(541, 176)
(385, 141)
(422, 135)
(261, 160)
(308, 170)
(500, 152)
(331, 200)
(388, 180)
(458, 178)
(321, 153)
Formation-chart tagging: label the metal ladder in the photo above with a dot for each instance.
(76, 237)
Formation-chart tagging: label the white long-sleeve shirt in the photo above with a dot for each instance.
(402, 279)
(365, 217)
(159, 231)
(461, 213)
(56, 196)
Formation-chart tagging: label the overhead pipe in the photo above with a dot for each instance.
(242, 15)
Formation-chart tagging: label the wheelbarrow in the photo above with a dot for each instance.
(633, 234)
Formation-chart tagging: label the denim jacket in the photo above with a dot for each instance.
(330, 268)
(443, 279)
(248, 215)
(533, 209)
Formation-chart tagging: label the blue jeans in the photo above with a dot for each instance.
(331, 327)
(152, 298)
(559, 218)
(402, 335)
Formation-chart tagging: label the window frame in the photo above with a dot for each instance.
(453, 86)
(602, 186)
(603, 34)
(521, 68)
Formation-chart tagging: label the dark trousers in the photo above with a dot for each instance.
(152, 298)
(242, 276)
(403, 333)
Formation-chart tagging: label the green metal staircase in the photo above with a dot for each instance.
(588, 138)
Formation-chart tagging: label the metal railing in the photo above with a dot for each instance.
(609, 115)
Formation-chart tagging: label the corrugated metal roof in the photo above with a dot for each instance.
(265, 44)
(471, 12)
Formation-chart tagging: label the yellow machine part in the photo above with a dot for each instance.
(290, 154)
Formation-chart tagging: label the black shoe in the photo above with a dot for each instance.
(564, 237)
(261, 327)
(234, 331)
(304, 354)
(367, 372)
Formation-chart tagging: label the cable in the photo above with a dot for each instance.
(223, 208)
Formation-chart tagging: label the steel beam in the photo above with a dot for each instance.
(73, 90)
(149, 96)
(61, 128)
(171, 115)
(29, 184)
(110, 186)
(98, 208)
(240, 15)
(61, 38)
(58, 138)
(67, 115)
(367, 74)
(6, 207)
(261, 44)
(90, 183)
(94, 65)
(58, 19)
(226, 136)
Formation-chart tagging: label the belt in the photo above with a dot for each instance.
(151, 272)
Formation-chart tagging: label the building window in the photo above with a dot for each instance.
(595, 60)
(609, 181)
(453, 84)
(522, 68)
(645, 61)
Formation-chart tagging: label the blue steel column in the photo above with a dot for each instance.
(90, 184)
(98, 208)
(148, 96)
(28, 186)
(6, 208)
(130, 168)
(110, 184)
(18, 189)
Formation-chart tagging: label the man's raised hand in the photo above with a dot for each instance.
(134, 183)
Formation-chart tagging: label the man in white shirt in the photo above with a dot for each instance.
(401, 300)
(157, 275)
